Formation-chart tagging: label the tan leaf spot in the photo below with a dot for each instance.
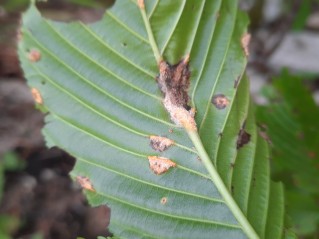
(164, 200)
(160, 165)
(85, 183)
(159, 143)
(36, 96)
(245, 43)
(34, 55)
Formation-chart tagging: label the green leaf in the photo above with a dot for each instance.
(291, 120)
(98, 83)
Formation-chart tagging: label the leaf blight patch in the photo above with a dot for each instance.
(174, 81)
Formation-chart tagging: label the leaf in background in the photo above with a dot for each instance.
(98, 83)
(291, 120)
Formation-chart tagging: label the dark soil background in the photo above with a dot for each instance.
(40, 197)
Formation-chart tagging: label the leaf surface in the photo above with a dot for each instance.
(98, 84)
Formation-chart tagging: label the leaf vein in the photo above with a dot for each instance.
(126, 27)
(99, 88)
(174, 27)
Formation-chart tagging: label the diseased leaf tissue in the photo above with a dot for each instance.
(173, 81)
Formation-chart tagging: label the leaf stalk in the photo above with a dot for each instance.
(189, 124)
(241, 218)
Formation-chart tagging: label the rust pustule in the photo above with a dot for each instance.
(173, 81)
(160, 165)
(159, 143)
(85, 183)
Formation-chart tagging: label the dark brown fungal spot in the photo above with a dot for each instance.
(237, 82)
(243, 138)
(163, 200)
(232, 165)
(173, 81)
(160, 165)
(159, 143)
(232, 189)
(124, 44)
(220, 134)
(34, 55)
(220, 101)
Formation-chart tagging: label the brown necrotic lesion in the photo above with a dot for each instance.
(159, 143)
(174, 81)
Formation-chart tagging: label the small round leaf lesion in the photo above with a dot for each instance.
(220, 101)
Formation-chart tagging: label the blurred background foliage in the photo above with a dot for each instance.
(284, 71)
(290, 122)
